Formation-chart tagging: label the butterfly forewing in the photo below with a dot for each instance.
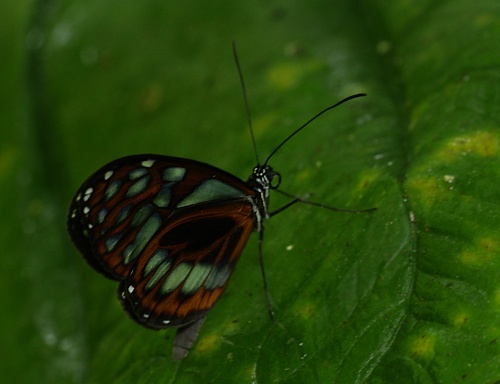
(170, 229)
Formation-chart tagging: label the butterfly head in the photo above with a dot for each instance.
(264, 178)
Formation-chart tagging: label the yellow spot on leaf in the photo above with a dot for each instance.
(460, 319)
(213, 340)
(306, 311)
(469, 257)
(366, 179)
(262, 124)
(484, 20)
(302, 176)
(426, 190)
(208, 343)
(423, 347)
(286, 75)
(232, 328)
(482, 143)
(429, 188)
(489, 244)
(485, 251)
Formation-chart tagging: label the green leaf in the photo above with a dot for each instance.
(406, 294)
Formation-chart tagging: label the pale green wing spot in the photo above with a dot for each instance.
(139, 186)
(101, 215)
(112, 189)
(136, 173)
(174, 174)
(175, 278)
(158, 275)
(142, 238)
(224, 276)
(211, 282)
(148, 163)
(162, 198)
(111, 241)
(196, 278)
(218, 277)
(124, 213)
(155, 260)
(108, 174)
(210, 190)
(141, 215)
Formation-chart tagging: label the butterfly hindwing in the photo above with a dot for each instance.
(170, 229)
(186, 267)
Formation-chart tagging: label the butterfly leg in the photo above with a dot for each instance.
(261, 240)
(300, 199)
(185, 338)
(296, 200)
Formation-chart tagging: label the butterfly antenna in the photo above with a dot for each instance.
(245, 101)
(314, 118)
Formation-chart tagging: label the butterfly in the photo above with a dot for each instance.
(171, 230)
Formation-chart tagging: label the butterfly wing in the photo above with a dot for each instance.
(117, 211)
(169, 229)
(186, 267)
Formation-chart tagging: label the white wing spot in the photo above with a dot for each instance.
(145, 315)
(166, 321)
(130, 288)
(91, 226)
(148, 163)
(88, 193)
(78, 197)
(108, 174)
(86, 210)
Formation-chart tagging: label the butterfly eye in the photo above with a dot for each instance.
(275, 181)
